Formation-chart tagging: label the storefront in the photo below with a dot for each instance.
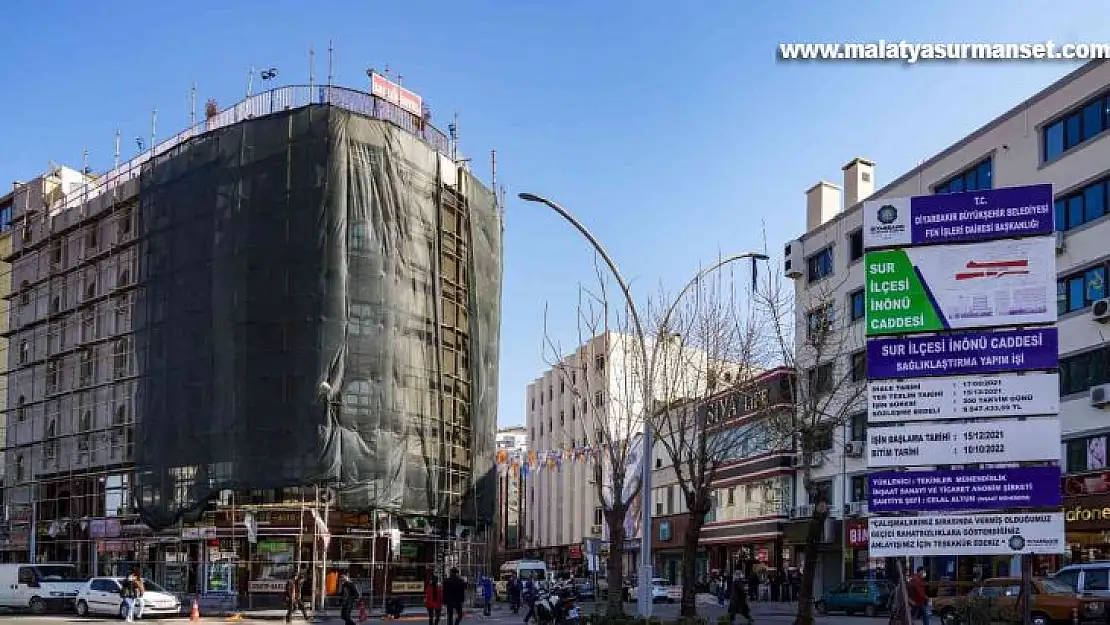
(860, 564)
(1087, 519)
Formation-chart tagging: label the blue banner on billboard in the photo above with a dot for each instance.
(968, 489)
(959, 217)
(962, 353)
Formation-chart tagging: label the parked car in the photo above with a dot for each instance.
(867, 596)
(1053, 602)
(100, 595)
(662, 591)
(1091, 578)
(584, 589)
(39, 587)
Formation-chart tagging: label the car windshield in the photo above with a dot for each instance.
(59, 573)
(1056, 587)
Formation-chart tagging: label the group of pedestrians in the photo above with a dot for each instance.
(451, 595)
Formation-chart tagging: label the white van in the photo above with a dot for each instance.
(39, 587)
(535, 570)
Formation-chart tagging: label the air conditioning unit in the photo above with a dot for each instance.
(815, 461)
(801, 512)
(1100, 310)
(1100, 396)
(853, 449)
(855, 508)
(792, 260)
(595, 530)
(1061, 244)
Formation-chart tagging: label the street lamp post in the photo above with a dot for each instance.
(644, 600)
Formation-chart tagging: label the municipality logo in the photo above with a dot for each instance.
(1017, 543)
(887, 214)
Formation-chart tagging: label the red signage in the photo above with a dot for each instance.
(857, 533)
(1091, 484)
(576, 552)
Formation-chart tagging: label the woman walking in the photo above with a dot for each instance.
(433, 600)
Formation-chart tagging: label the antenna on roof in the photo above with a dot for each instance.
(85, 162)
(311, 66)
(115, 164)
(331, 61)
(193, 105)
(453, 131)
(250, 79)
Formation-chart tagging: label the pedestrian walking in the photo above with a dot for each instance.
(454, 595)
(433, 600)
(294, 598)
(738, 600)
(348, 597)
(487, 593)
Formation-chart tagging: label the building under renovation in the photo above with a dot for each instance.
(268, 343)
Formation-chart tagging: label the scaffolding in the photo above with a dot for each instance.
(122, 451)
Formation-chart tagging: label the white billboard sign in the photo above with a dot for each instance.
(1003, 440)
(394, 93)
(963, 397)
(967, 535)
(978, 285)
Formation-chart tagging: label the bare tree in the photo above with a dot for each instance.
(815, 337)
(605, 375)
(706, 378)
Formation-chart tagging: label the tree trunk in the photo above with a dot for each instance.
(614, 567)
(694, 524)
(809, 565)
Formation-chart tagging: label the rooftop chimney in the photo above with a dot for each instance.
(859, 181)
(822, 204)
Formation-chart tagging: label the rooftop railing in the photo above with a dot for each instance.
(259, 105)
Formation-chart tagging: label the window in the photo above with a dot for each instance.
(356, 401)
(19, 471)
(859, 488)
(6, 217)
(91, 238)
(125, 223)
(599, 362)
(56, 252)
(857, 427)
(820, 265)
(120, 357)
(359, 236)
(821, 492)
(1078, 126)
(599, 517)
(859, 365)
(24, 352)
(855, 246)
(856, 305)
(1082, 206)
(21, 409)
(818, 323)
(1096, 579)
(90, 288)
(1086, 454)
(53, 377)
(1082, 371)
(24, 293)
(821, 379)
(599, 399)
(731, 496)
(975, 178)
(51, 446)
(123, 279)
(1078, 291)
(359, 319)
(86, 371)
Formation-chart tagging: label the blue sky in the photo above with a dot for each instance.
(670, 129)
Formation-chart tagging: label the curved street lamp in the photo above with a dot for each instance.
(644, 599)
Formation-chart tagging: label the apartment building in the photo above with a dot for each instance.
(752, 490)
(596, 386)
(223, 391)
(1058, 136)
(511, 442)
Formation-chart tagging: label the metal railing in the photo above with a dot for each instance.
(259, 105)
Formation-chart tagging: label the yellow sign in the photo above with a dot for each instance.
(1080, 513)
(407, 586)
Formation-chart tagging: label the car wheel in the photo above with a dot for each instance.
(82, 608)
(870, 611)
(37, 605)
(822, 607)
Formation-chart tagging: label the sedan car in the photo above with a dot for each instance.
(100, 595)
(662, 591)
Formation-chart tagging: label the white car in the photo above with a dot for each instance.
(100, 595)
(661, 591)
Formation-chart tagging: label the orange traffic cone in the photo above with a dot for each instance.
(361, 611)
(195, 614)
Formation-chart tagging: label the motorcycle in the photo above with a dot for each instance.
(555, 609)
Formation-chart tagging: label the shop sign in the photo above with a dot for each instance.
(967, 535)
(963, 353)
(1008, 212)
(1090, 484)
(575, 552)
(267, 586)
(857, 533)
(407, 586)
(998, 441)
(965, 489)
(19, 512)
(963, 397)
(980, 285)
(198, 533)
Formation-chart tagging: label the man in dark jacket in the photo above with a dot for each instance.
(454, 595)
(348, 596)
(294, 598)
(738, 600)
